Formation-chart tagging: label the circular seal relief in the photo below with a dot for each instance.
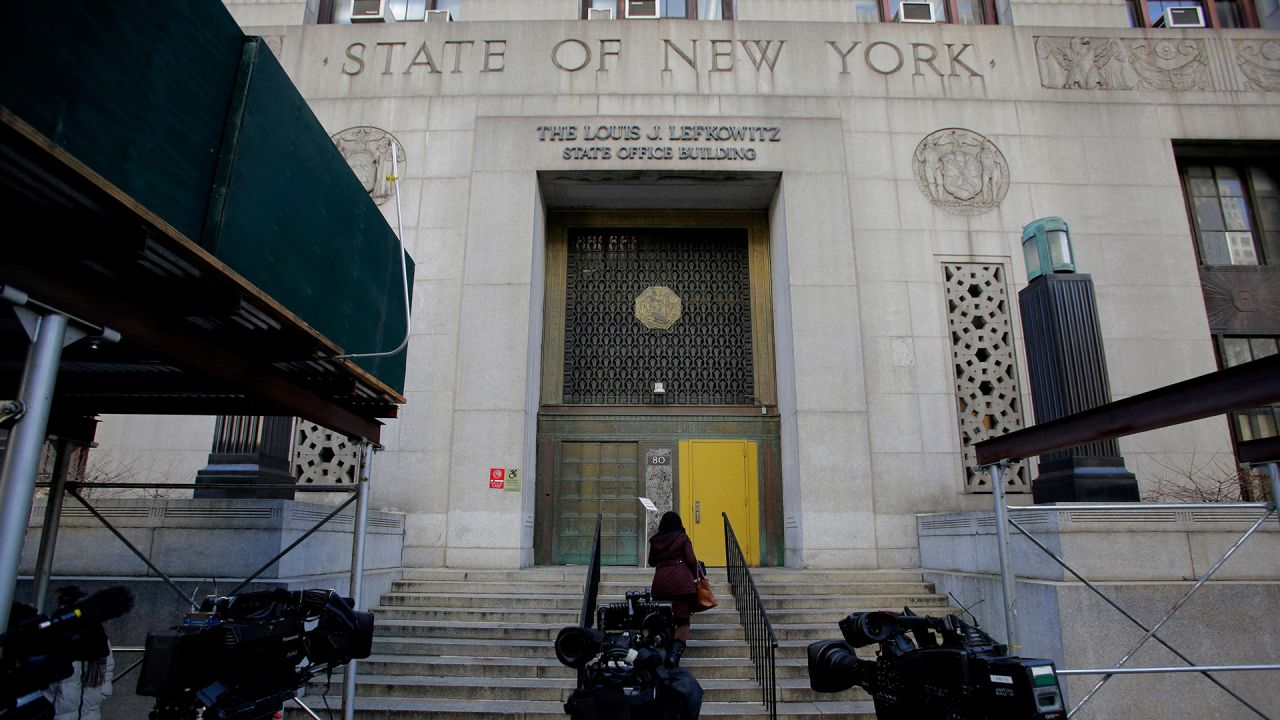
(368, 152)
(658, 308)
(961, 171)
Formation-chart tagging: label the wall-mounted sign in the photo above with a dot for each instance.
(507, 479)
(636, 141)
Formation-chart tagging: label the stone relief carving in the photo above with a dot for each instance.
(1099, 63)
(1247, 303)
(1259, 61)
(368, 152)
(961, 171)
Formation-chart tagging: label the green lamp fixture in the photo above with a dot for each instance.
(1046, 247)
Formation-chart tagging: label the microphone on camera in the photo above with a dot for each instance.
(102, 605)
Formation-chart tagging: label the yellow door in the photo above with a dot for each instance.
(719, 476)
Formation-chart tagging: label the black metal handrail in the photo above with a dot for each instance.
(591, 591)
(761, 641)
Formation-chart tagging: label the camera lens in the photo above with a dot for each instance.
(575, 646)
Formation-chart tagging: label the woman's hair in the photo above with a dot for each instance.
(670, 522)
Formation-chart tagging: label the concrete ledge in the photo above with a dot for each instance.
(1139, 544)
(212, 538)
(1145, 560)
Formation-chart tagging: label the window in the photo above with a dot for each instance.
(691, 9)
(1217, 13)
(1235, 213)
(1253, 423)
(961, 12)
(339, 11)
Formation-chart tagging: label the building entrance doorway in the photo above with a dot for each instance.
(657, 366)
(719, 476)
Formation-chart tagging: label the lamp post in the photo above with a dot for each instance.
(1067, 367)
(1046, 247)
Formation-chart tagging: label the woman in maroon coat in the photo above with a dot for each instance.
(675, 569)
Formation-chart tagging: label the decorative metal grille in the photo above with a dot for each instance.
(612, 358)
(324, 457)
(985, 368)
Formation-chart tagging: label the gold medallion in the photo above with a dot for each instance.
(658, 308)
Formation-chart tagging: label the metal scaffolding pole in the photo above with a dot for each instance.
(1273, 469)
(357, 568)
(52, 517)
(1006, 561)
(26, 441)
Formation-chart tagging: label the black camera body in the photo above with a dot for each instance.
(242, 657)
(947, 669)
(39, 650)
(622, 673)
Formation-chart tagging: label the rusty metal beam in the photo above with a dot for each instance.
(1243, 386)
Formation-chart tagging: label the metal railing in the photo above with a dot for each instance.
(591, 591)
(590, 594)
(761, 641)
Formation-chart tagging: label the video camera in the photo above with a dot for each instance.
(242, 657)
(621, 666)
(952, 670)
(38, 649)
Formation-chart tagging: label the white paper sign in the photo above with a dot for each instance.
(648, 504)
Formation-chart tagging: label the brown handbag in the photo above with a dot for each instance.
(706, 598)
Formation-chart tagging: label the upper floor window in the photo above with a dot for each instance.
(1213, 13)
(340, 11)
(1235, 213)
(960, 12)
(648, 9)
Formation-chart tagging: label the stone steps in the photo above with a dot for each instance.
(716, 690)
(465, 644)
(413, 709)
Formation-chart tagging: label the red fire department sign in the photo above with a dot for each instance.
(497, 478)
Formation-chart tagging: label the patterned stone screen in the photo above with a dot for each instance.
(669, 306)
(324, 457)
(982, 355)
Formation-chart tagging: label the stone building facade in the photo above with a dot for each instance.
(771, 263)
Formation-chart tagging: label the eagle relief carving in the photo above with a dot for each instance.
(1100, 63)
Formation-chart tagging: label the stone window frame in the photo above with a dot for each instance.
(1139, 13)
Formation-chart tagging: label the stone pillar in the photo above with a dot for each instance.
(249, 450)
(1068, 370)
